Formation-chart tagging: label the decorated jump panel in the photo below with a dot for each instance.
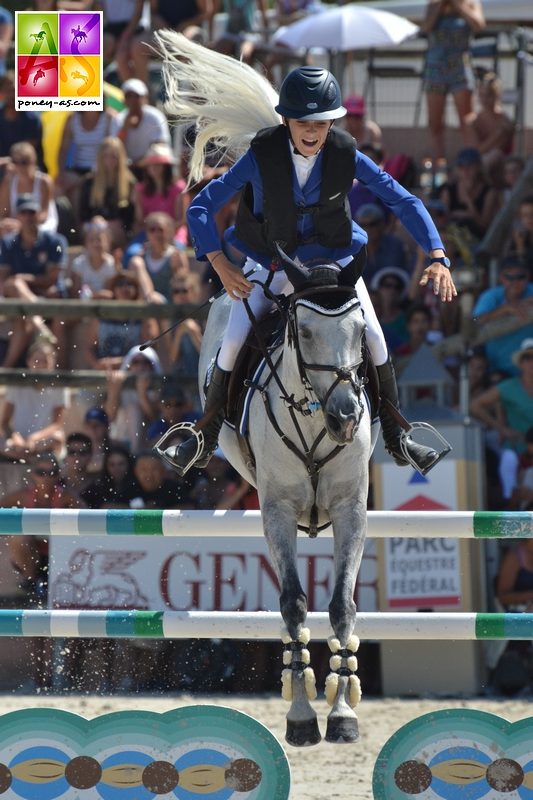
(248, 625)
(457, 754)
(212, 752)
(146, 522)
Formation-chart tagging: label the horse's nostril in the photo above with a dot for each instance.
(334, 423)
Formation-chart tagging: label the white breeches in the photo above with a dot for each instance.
(239, 324)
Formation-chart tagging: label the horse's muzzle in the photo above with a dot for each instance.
(342, 419)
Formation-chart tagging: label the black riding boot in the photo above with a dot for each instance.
(424, 457)
(180, 455)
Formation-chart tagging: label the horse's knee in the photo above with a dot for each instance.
(293, 607)
(342, 615)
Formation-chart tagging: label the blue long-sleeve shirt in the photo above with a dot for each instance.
(407, 207)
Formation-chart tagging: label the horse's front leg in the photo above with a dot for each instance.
(298, 679)
(343, 690)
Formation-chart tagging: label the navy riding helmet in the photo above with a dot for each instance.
(310, 93)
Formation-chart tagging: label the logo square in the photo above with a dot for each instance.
(79, 34)
(37, 76)
(79, 76)
(37, 33)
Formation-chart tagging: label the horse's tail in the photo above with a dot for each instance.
(226, 100)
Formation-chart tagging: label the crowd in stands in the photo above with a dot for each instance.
(107, 221)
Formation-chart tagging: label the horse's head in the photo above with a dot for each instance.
(326, 328)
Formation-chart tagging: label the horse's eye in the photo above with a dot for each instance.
(305, 333)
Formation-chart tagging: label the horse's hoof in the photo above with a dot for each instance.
(342, 730)
(302, 733)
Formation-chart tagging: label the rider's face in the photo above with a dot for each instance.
(308, 136)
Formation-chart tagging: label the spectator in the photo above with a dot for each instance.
(159, 260)
(30, 264)
(155, 489)
(174, 406)
(218, 484)
(78, 152)
(32, 416)
(388, 288)
(507, 409)
(31, 256)
(25, 178)
(513, 297)
(522, 498)
(418, 321)
(17, 126)
(109, 340)
(86, 278)
(186, 341)
(94, 267)
(116, 486)
(470, 200)
(108, 191)
(522, 238)
(160, 190)
(73, 471)
(96, 426)
(383, 249)
(239, 38)
(131, 409)
(185, 17)
(449, 25)
(140, 124)
(29, 554)
(6, 36)
(513, 168)
(122, 23)
(490, 130)
(365, 131)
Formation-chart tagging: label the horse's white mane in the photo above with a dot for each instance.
(226, 100)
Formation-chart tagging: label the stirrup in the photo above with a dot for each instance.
(181, 426)
(414, 426)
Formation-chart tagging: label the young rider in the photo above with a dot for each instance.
(296, 178)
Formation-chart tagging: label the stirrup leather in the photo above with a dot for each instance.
(181, 426)
(445, 446)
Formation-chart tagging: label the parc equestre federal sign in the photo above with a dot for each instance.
(58, 60)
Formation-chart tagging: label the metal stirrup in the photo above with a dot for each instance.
(405, 433)
(182, 426)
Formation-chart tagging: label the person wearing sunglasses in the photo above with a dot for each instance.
(512, 297)
(74, 467)
(383, 248)
(160, 259)
(24, 177)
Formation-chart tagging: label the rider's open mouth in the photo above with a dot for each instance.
(312, 143)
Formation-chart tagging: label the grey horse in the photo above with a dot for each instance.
(312, 481)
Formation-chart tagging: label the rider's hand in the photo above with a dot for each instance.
(441, 276)
(232, 278)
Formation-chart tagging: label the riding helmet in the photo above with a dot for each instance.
(310, 93)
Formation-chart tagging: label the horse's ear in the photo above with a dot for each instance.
(297, 273)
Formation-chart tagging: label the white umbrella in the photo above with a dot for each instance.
(344, 28)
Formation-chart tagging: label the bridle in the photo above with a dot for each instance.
(304, 407)
(343, 374)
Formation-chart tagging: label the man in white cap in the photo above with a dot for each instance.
(140, 124)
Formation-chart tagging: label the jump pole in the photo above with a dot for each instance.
(261, 625)
(144, 522)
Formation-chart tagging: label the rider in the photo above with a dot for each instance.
(291, 197)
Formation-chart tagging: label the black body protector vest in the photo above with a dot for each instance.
(278, 223)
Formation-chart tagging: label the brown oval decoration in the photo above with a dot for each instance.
(412, 777)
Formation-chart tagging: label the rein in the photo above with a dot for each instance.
(305, 452)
